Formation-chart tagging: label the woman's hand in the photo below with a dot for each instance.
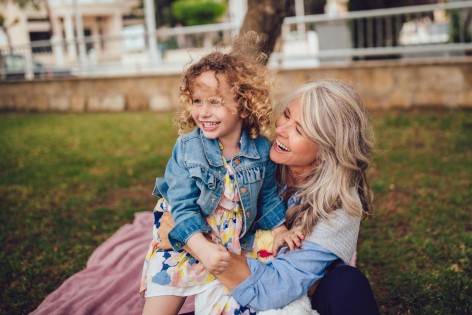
(283, 236)
(167, 223)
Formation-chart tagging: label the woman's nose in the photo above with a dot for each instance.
(281, 129)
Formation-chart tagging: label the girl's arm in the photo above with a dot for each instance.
(264, 286)
(190, 224)
(214, 257)
(182, 194)
(270, 206)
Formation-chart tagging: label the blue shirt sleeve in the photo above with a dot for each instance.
(284, 279)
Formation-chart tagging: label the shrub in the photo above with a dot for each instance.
(198, 12)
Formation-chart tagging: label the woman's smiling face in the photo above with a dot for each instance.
(292, 147)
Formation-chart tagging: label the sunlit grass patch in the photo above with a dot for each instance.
(69, 181)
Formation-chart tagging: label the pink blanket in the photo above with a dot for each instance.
(110, 282)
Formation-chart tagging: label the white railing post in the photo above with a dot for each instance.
(80, 35)
(69, 30)
(151, 31)
(300, 11)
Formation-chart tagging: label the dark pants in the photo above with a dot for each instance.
(344, 290)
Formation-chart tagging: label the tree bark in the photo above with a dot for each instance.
(266, 17)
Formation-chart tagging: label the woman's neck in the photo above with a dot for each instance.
(295, 179)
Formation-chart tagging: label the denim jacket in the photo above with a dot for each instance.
(194, 184)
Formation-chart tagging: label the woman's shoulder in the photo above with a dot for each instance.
(341, 218)
(337, 233)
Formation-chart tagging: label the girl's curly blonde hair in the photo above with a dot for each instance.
(249, 81)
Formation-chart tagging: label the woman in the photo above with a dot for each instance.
(322, 147)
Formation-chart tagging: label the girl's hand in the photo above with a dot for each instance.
(292, 238)
(215, 258)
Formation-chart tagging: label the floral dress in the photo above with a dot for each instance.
(167, 272)
(178, 273)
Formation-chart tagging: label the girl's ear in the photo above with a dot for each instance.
(243, 112)
(244, 115)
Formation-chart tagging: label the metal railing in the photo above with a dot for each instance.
(427, 31)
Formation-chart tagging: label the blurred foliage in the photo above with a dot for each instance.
(198, 12)
(163, 13)
(24, 3)
(459, 27)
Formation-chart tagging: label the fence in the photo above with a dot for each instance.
(434, 31)
(427, 31)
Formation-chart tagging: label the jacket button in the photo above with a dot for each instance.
(213, 200)
(248, 214)
(178, 244)
(246, 244)
(237, 161)
(244, 190)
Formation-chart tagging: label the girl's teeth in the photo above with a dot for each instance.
(209, 124)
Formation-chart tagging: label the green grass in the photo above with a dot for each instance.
(68, 182)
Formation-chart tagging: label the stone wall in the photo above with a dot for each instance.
(382, 85)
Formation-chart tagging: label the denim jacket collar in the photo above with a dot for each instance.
(213, 152)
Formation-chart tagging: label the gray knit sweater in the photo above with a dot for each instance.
(338, 233)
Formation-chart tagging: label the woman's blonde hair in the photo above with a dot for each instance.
(249, 81)
(333, 116)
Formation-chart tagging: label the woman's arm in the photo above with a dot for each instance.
(236, 272)
(286, 278)
(265, 286)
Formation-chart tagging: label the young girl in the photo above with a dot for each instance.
(219, 182)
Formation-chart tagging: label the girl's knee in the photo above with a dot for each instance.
(163, 305)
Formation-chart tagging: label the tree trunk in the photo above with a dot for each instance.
(266, 17)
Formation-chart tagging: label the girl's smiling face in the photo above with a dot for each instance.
(212, 100)
(292, 147)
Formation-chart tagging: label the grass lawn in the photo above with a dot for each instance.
(68, 182)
